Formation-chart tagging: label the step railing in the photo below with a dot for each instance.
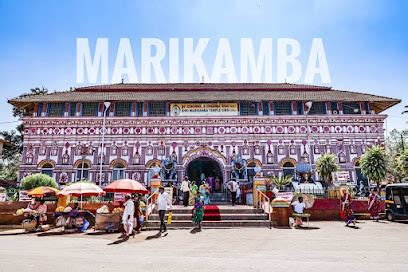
(264, 202)
(150, 205)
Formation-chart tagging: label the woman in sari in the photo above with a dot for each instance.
(374, 205)
(347, 212)
(205, 193)
(193, 193)
(198, 210)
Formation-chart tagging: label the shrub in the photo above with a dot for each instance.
(37, 180)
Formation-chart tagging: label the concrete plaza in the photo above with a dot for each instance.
(328, 246)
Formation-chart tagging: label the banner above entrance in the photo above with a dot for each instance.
(204, 109)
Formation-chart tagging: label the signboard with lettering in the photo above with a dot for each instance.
(119, 197)
(285, 195)
(341, 177)
(204, 109)
(23, 196)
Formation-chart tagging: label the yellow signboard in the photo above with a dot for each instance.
(204, 109)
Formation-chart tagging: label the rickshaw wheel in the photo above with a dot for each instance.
(390, 216)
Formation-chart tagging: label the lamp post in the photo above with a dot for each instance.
(309, 105)
(106, 105)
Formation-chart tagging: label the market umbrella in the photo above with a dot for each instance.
(307, 199)
(42, 191)
(126, 186)
(82, 189)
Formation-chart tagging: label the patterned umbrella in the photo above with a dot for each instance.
(43, 190)
(126, 186)
(82, 189)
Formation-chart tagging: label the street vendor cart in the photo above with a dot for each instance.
(109, 222)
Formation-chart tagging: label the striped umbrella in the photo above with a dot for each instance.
(126, 186)
(82, 189)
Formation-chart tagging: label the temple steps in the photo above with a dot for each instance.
(226, 216)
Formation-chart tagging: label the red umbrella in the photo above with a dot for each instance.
(126, 186)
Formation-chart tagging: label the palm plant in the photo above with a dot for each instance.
(374, 164)
(326, 165)
(406, 109)
(281, 181)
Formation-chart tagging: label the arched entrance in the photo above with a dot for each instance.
(208, 168)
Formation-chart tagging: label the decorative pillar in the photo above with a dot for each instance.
(259, 184)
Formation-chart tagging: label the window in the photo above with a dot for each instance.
(72, 109)
(283, 108)
(47, 169)
(367, 107)
(89, 109)
(300, 109)
(318, 108)
(139, 109)
(123, 108)
(55, 109)
(351, 108)
(292, 150)
(342, 157)
(82, 171)
(265, 108)
(334, 107)
(40, 108)
(316, 149)
(281, 150)
(157, 108)
(269, 157)
(118, 171)
(248, 108)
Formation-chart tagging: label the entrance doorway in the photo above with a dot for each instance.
(208, 169)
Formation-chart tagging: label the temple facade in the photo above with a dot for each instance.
(103, 133)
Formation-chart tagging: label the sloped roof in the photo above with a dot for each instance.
(209, 92)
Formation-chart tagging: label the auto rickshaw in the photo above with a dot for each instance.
(396, 201)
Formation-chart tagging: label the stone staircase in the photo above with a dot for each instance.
(229, 217)
(217, 198)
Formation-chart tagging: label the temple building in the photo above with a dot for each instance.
(212, 130)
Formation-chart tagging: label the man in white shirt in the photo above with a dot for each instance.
(298, 207)
(233, 187)
(163, 200)
(185, 188)
(128, 216)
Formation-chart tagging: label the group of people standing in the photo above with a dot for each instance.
(191, 190)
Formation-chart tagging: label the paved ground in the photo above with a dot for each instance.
(332, 247)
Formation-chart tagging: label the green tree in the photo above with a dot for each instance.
(12, 151)
(37, 180)
(9, 169)
(326, 165)
(374, 164)
(403, 163)
(395, 143)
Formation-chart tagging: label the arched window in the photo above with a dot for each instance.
(118, 171)
(342, 157)
(82, 171)
(47, 169)
(288, 169)
(269, 157)
(29, 158)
